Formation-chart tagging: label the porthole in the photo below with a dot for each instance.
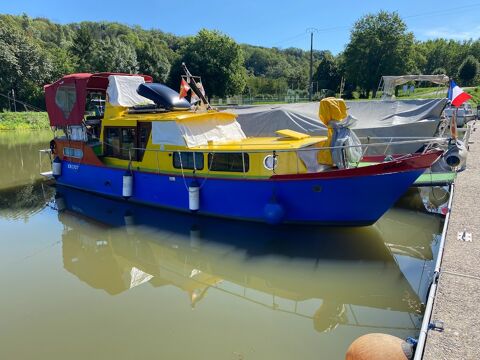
(270, 162)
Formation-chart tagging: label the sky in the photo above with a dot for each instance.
(266, 23)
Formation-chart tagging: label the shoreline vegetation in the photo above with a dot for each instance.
(24, 121)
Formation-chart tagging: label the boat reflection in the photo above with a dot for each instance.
(330, 275)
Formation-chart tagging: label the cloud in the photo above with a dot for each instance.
(443, 32)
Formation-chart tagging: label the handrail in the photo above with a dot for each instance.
(438, 140)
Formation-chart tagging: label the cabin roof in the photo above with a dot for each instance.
(112, 116)
(263, 143)
(78, 85)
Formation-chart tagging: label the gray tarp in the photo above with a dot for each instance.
(402, 118)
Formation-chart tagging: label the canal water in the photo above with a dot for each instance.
(87, 277)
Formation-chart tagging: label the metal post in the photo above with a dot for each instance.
(14, 102)
(310, 87)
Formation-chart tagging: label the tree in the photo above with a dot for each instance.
(439, 71)
(24, 65)
(468, 70)
(152, 61)
(217, 58)
(83, 47)
(327, 74)
(379, 45)
(114, 55)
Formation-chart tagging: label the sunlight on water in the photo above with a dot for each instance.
(89, 277)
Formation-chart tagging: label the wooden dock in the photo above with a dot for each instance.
(457, 301)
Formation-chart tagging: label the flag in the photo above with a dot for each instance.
(184, 88)
(456, 95)
(200, 87)
(194, 97)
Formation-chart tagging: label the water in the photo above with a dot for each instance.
(88, 277)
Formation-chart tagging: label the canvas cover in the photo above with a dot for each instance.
(398, 118)
(193, 133)
(122, 91)
(333, 114)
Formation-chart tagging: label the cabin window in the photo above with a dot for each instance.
(94, 105)
(72, 152)
(119, 141)
(112, 142)
(65, 98)
(128, 137)
(144, 130)
(187, 160)
(230, 162)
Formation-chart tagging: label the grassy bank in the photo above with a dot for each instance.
(475, 92)
(23, 121)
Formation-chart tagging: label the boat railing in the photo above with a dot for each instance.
(428, 143)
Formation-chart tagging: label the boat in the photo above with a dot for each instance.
(463, 114)
(147, 145)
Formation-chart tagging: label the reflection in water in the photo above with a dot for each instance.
(116, 246)
(20, 162)
(22, 202)
(149, 283)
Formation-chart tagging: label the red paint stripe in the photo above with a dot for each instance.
(413, 162)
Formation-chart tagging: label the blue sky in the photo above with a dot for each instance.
(265, 23)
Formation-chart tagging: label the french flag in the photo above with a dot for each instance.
(456, 95)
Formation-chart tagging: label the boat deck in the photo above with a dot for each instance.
(457, 299)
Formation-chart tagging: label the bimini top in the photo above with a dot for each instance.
(66, 98)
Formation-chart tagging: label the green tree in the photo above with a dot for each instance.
(327, 73)
(439, 71)
(152, 61)
(468, 70)
(379, 45)
(83, 48)
(114, 55)
(217, 58)
(24, 65)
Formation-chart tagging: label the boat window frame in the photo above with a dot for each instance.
(108, 145)
(73, 152)
(242, 167)
(196, 156)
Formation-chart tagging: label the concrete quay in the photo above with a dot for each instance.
(457, 301)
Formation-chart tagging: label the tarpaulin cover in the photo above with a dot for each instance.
(265, 120)
(196, 133)
(401, 118)
(122, 91)
(333, 113)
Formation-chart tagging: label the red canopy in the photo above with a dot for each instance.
(67, 106)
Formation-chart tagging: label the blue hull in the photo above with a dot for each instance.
(359, 200)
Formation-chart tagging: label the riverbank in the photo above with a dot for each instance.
(23, 121)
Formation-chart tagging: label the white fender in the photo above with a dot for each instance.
(194, 197)
(127, 188)
(56, 167)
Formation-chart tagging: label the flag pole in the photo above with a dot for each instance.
(194, 86)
